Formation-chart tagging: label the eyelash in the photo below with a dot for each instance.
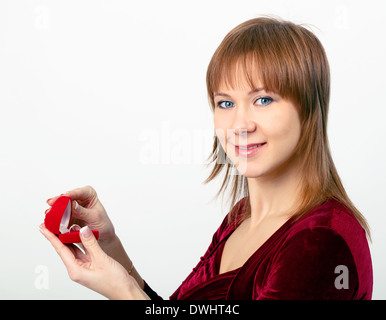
(265, 97)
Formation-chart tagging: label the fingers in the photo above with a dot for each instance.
(63, 251)
(79, 211)
(83, 194)
(52, 200)
(90, 243)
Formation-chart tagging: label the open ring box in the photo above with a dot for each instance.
(58, 219)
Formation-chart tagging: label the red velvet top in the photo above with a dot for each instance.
(323, 255)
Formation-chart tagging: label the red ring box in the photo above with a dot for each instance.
(58, 219)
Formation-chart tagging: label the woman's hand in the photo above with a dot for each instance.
(95, 269)
(88, 210)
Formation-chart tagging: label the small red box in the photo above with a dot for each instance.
(58, 219)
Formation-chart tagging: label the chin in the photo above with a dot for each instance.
(248, 170)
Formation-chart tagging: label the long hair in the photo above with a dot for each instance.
(289, 60)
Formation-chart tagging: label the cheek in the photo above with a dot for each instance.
(283, 129)
(220, 129)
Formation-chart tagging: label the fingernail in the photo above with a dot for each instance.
(48, 200)
(86, 232)
(76, 205)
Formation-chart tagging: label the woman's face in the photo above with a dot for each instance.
(246, 116)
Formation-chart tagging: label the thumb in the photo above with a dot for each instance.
(90, 243)
(79, 211)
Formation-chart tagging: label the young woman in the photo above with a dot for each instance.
(293, 233)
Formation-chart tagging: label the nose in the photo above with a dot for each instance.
(243, 122)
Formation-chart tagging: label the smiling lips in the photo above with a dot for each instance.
(250, 149)
(249, 146)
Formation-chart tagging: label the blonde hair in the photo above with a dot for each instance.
(289, 60)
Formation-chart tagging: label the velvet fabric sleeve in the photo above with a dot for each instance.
(150, 292)
(312, 264)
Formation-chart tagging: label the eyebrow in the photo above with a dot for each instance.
(228, 96)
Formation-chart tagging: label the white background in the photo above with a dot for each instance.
(112, 94)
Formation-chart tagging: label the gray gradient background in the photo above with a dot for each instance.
(112, 94)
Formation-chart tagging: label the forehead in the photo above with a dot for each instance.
(241, 74)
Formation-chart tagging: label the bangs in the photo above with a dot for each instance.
(235, 72)
(272, 54)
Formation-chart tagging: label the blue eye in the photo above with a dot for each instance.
(225, 104)
(264, 101)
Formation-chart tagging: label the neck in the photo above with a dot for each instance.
(274, 194)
